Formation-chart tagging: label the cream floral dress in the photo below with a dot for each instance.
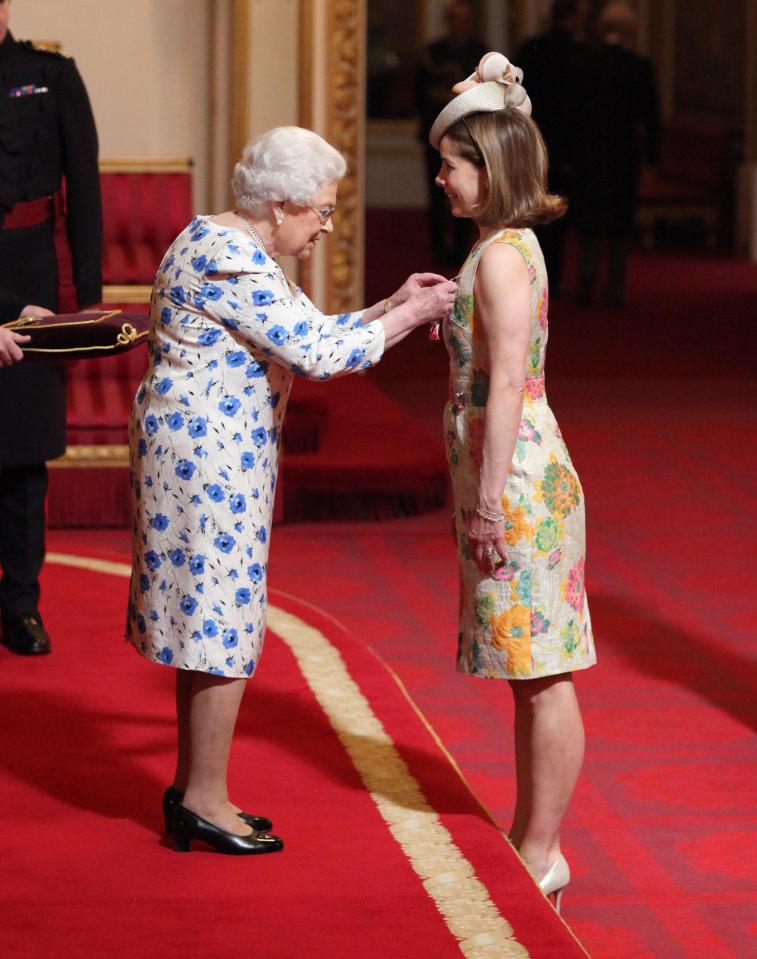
(530, 619)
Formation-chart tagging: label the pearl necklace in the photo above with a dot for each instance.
(250, 228)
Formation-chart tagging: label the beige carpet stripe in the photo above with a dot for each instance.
(447, 876)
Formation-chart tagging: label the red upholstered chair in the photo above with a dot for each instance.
(693, 180)
(146, 203)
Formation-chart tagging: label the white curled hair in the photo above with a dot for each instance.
(286, 163)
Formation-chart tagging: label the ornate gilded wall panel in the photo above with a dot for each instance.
(345, 129)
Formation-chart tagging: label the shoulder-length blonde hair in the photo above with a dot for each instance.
(508, 145)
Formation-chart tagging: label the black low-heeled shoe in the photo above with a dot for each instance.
(188, 826)
(172, 797)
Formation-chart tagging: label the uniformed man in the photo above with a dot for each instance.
(47, 140)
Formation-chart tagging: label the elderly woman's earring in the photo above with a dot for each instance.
(279, 217)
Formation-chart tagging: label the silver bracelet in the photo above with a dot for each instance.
(489, 515)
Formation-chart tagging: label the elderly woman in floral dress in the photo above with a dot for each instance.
(228, 334)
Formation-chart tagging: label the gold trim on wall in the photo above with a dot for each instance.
(146, 164)
(114, 455)
(306, 41)
(305, 104)
(126, 293)
(240, 67)
(346, 131)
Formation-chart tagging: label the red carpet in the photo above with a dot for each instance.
(657, 406)
(86, 754)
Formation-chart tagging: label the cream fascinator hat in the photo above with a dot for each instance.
(496, 84)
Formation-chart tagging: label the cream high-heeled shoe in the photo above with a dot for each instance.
(555, 879)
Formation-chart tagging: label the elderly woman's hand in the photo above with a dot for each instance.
(10, 350)
(432, 303)
(414, 283)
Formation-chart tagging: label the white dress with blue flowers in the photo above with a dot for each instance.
(227, 336)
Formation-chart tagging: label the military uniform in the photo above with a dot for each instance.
(47, 138)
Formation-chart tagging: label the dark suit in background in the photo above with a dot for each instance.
(443, 64)
(47, 137)
(549, 63)
(617, 129)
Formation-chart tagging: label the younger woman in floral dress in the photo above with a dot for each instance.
(519, 511)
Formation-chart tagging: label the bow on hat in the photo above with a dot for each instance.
(496, 84)
(495, 67)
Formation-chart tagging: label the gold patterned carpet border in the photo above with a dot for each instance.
(446, 875)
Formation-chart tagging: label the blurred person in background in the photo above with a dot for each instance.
(442, 63)
(616, 130)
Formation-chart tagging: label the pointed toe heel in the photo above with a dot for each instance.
(555, 880)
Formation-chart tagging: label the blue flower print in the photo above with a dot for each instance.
(185, 469)
(211, 291)
(215, 493)
(344, 319)
(188, 605)
(197, 427)
(142, 447)
(225, 542)
(354, 358)
(256, 369)
(209, 337)
(211, 444)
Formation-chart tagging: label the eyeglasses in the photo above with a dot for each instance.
(324, 214)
